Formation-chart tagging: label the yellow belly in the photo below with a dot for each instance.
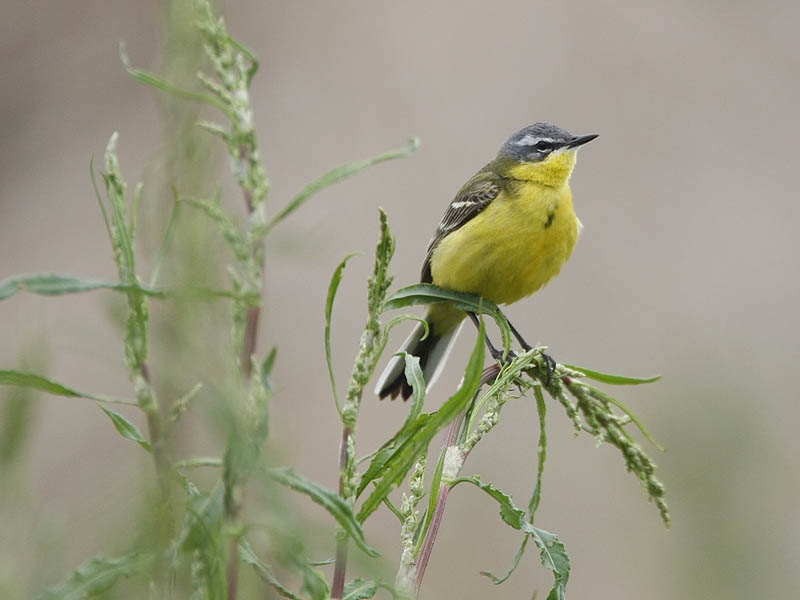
(511, 249)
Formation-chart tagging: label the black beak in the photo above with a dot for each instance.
(581, 140)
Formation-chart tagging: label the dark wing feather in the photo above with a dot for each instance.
(471, 199)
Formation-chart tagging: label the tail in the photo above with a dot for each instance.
(432, 352)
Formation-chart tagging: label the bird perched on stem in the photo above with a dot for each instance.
(507, 232)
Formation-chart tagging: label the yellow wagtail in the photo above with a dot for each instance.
(507, 232)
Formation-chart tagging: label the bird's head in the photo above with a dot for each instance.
(542, 152)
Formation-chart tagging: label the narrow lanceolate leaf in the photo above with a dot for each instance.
(404, 456)
(263, 570)
(427, 293)
(125, 428)
(333, 287)
(360, 589)
(163, 85)
(613, 379)
(329, 500)
(335, 176)
(37, 382)
(43, 384)
(412, 424)
(95, 576)
(553, 555)
(49, 284)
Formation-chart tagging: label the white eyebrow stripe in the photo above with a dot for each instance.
(530, 140)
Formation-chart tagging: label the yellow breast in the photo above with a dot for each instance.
(512, 248)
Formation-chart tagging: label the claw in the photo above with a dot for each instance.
(550, 367)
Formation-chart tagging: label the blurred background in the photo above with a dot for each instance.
(687, 265)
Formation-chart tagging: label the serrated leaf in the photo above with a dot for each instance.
(613, 379)
(333, 287)
(328, 500)
(360, 589)
(553, 555)
(125, 428)
(405, 455)
(95, 576)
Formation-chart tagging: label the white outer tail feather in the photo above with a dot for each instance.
(436, 357)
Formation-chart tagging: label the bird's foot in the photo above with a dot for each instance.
(550, 368)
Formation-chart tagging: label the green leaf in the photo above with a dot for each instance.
(97, 575)
(335, 176)
(266, 369)
(333, 287)
(427, 293)
(315, 584)
(37, 382)
(202, 526)
(541, 409)
(154, 81)
(50, 284)
(126, 429)
(263, 570)
(360, 589)
(43, 384)
(412, 424)
(328, 500)
(613, 379)
(553, 555)
(594, 392)
(201, 538)
(426, 427)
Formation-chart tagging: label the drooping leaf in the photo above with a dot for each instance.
(264, 571)
(97, 575)
(333, 287)
(329, 500)
(406, 454)
(125, 428)
(553, 555)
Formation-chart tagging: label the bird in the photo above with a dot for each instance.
(506, 233)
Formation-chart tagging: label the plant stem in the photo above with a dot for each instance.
(449, 448)
(340, 568)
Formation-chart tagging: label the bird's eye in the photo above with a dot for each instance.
(543, 146)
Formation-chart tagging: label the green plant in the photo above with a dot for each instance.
(199, 534)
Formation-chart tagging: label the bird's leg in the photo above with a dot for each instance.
(496, 354)
(550, 364)
(525, 345)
